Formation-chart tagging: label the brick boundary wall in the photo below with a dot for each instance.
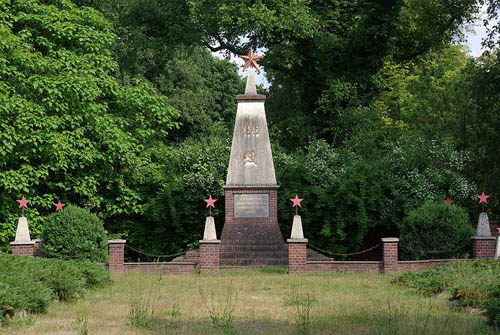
(348, 267)
(407, 266)
(483, 246)
(297, 256)
(163, 267)
(209, 257)
(23, 248)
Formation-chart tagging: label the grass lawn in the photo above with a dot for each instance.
(263, 304)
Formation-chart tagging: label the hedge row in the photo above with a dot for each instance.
(31, 284)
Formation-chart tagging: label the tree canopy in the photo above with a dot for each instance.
(121, 107)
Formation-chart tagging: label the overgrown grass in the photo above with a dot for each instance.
(339, 304)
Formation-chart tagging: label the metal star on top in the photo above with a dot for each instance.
(210, 203)
(483, 199)
(296, 203)
(448, 201)
(59, 206)
(23, 203)
(251, 60)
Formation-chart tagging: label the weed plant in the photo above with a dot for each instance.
(81, 323)
(221, 313)
(302, 303)
(142, 305)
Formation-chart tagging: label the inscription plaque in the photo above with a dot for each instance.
(251, 205)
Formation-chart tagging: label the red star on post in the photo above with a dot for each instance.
(296, 203)
(23, 203)
(448, 201)
(251, 60)
(210, 203)
(483, 199)
(498, 231)
(59, 206)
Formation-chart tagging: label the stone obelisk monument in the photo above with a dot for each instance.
(251, 235)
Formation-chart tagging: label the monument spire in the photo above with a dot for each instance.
(251, 233)
(251, 161)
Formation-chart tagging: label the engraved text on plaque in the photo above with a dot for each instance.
(251, 205)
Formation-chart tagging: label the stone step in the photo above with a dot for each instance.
(256, 255)
(253, 262)
(241, 247)
(256, 266)
(239, 241)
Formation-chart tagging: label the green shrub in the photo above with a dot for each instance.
(75, 233)
(435, 230)
(31, 284)
(93, 274)
(429, 282)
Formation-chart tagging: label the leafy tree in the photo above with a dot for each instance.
(321, 57)
(158, 41)
(69, 130)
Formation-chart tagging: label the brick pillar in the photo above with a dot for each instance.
(209, 257)
(483, 246)
(23, 248)
(297, 255)
(390, 254)
(37, 248)
(116, 250)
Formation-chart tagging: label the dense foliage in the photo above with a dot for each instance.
(75, 233)
(360, 190)
(31, 284)
(118, 106)
(435, 230)
(69, 130)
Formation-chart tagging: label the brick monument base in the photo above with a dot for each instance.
(252, 241)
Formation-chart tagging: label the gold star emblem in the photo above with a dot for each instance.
(251, 60)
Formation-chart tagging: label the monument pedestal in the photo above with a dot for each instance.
(251, 235)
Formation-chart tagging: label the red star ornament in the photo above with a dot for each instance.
(483, 199)
(448, 201)
(296, 203)
(210, 203)
(23, 203)
(251, 60)
(59, 206)
(498, 231)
